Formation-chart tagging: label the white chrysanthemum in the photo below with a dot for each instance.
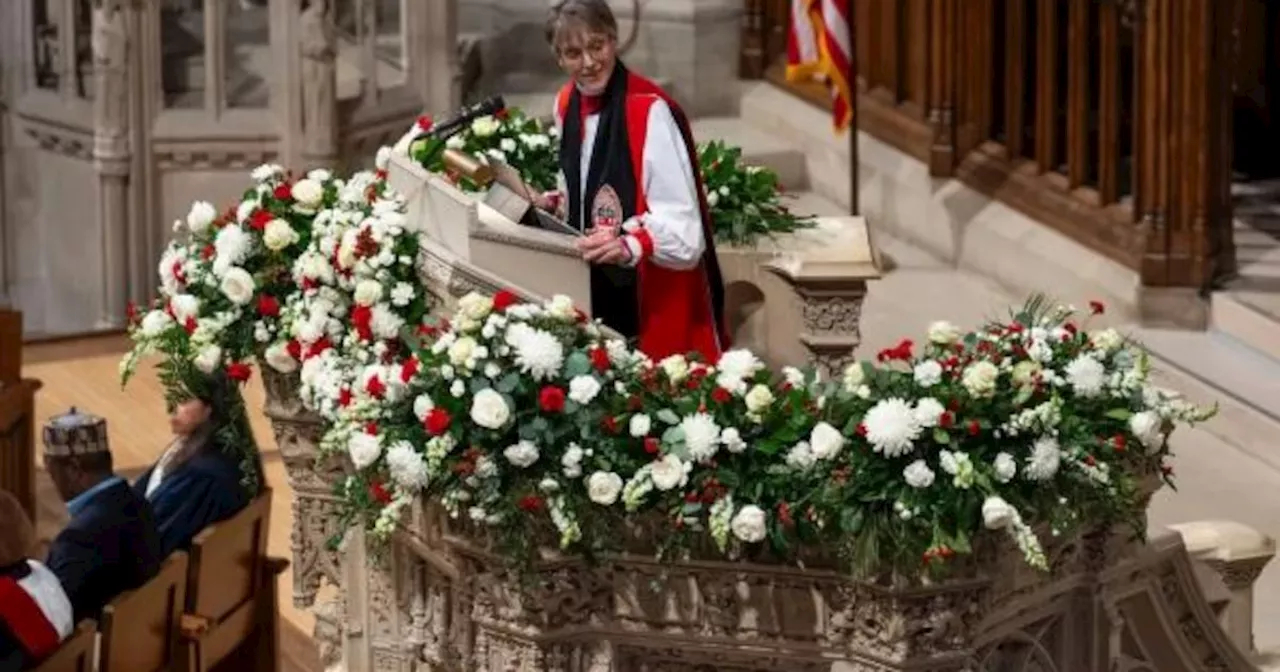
(735, 366)
(918, 474)
(1045, 458)
(1086, 376)
(521, 454)
(891, 427)
(385, 323)
(1006, 467)
(200, 216)
(230, 247)
(402, 294)
(406, 466)
(927, 373)
(538, 354)
(701, 436)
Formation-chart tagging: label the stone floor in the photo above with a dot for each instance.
(1228, 469)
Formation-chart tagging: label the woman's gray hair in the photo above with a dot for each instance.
(594, 15)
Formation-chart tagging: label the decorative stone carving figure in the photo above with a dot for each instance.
(319, 80)
(111, 74)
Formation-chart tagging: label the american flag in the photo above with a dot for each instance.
(820, 47)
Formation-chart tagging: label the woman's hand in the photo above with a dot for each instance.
(550, 201)
(604, 245)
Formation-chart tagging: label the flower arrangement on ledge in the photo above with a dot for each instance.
(746, 201)
(519, 417)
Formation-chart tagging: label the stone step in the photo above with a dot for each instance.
(758, 148)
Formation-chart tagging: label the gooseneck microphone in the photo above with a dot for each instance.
(464, 117)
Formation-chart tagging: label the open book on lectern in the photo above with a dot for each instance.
(514, 199)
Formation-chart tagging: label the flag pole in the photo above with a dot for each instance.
(853, 110)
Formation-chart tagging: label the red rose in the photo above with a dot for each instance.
(861, 429)
(551, 399)
(268, 306)
(437, 421)
(239, 371)
(425, 123)
(600, 359)
(294, 348)
(371, 428)
(651, 445)
(1119, 442)
(362, 319)
(946, 420)
(974, 428)
(409, 369)
(316, 349)
(189, 326)
(378, 493)
(375, 387)
(504, 299)
(344, 397)
(1097, 307)
(721, 395)
(530, 503)
(258, 220)
(283, 192)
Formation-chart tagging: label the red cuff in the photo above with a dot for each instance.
(642, 236)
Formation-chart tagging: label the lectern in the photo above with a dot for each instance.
(17, 416)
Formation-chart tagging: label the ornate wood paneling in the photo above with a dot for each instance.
(1107, 120)
(17, 423)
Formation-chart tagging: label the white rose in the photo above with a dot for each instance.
(583, 389)
(364, 449)
(1006, 467)
(184, 306)
(368, 292)
(462, 350)
(475, 306)
(200, 216)
(155, 322)
(669, 472)
(422, 405)
(997, 514)
(928, 412)
(1107, 340)
(238, 286)
(854, 375)
(603, 487)
(278, 235)
(979, 378)
(943, 333)
(928, 373)
(485, 126)
(208, 359)
(732, 440)
(561, 306)
(489, 409)
(307, 192)
(640, 425)
(825, 441)
(1149, 429)
(918, 474)
(676, 367)
(759, 398)
(748, 524)
(521, 454)
(278, 358)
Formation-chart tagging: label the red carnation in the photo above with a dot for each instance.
(974, 428)
(344, 397)
(530, 503)
(721, 395)
(425, 122)
(189, 325)
(378, 493)
(651, 445)
(207, 252)
(437, 421)
(375, 387)
(504, 299)
(239, 371)
(318, 348)
(1119, 442)
(259, 219)
(600, 359)
(371, 428)
(283, 192)
(268, 306)
(1097, 307)
(409, 369)
(362, 319)
(294, 348)
(551, 399)
(610, 424)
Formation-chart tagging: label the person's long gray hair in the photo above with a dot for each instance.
(594, 15)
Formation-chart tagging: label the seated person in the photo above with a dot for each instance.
(211, 470)
(35, 615)
(110, 544)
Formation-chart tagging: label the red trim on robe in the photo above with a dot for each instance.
(645, 240)
(26, 620)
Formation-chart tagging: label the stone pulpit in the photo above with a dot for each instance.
(436, 598)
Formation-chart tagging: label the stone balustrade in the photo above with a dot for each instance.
(1236, 554)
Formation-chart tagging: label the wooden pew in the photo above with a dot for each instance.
(75, 654)
(17, 422)
(232, 614)
(140, 629)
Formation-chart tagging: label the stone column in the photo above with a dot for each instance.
(317, 39)
(439, 45)
(692, 45)
(111, 152)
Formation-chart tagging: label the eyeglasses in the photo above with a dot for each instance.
(597, 47)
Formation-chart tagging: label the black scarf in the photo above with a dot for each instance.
(613, 288)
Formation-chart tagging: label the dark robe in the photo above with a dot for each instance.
(110, 546)
(35, 616)
(193, 495)
(669, 311)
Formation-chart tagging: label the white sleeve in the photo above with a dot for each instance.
(670, 234)
(559, 128)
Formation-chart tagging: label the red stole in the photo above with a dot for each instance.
(679, 309)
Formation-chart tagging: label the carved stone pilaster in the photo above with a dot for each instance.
(112, 40)
(831, 328)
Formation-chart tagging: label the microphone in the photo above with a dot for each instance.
(462, 120)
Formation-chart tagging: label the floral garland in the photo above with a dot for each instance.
(746, 202)
(293, 270)
(518, 417)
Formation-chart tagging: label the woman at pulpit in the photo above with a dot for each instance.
(203, 477)
(631, 184)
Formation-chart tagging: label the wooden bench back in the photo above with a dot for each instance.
(140, 628)
(227, 562)
(75, 654)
